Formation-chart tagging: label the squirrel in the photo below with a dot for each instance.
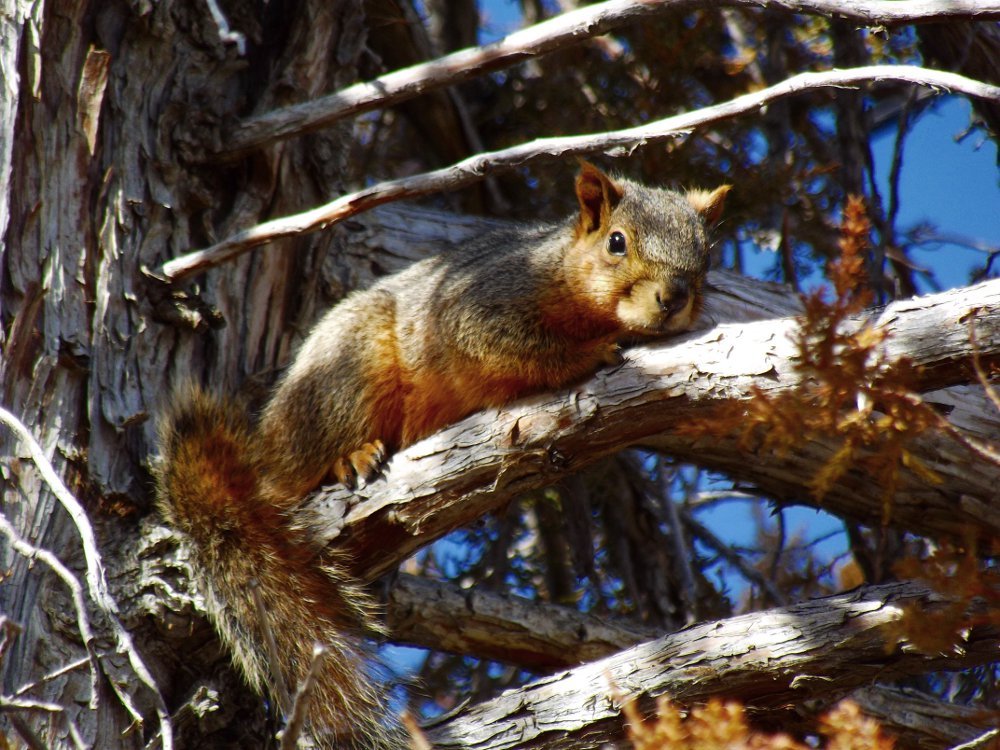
(516, 311)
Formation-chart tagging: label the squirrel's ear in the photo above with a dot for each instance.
(708, 203)
(598, 194)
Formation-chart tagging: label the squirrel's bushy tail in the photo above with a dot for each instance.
(208, 487)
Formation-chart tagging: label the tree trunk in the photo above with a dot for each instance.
(105, 110)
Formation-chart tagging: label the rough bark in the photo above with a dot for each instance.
(395, 236)
(535, 635)
(819, 651)
(919, 722)
(101, 105)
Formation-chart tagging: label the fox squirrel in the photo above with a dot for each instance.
(517, 311)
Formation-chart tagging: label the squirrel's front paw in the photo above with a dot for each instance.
(364, 464)
(611, 354)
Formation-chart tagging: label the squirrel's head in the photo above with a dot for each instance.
(640, 252)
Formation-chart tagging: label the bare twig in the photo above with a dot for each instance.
(735, 559)
(986, 451)
(281, 687)
(668, 512)
(226, 34)
(297, 717)
(982, 742)
(64, 669)
(555, 33)
(96, 580)
(708, 498)
(24, 547)
(617, 142)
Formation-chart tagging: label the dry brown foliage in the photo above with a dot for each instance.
(956, 571)
(853, 389)
(723, 725)
(850, 385)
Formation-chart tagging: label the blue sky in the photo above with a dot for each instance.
(953, 185)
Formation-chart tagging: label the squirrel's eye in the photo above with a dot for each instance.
(616, 243)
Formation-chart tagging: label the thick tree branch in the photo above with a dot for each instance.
(477, 465)
(534, 635)
(555, 33)
(917, 720)
(476, 167)
(541, 636)
(818, 650)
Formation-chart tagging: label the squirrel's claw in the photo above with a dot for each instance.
(612, 355)
(363, 464)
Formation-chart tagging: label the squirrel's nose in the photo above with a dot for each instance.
(674, 298)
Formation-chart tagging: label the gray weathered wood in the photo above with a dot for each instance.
(535, 634)
(554, 33)
(818, 650)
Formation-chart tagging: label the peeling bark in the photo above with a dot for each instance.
(819, 650)
(534, 635)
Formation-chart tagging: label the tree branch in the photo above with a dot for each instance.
(555, 33)
(534, 635)
(818, 650)
(20, 545)
(622, 141)
(471, 468)
(542, 636)
(920, 720)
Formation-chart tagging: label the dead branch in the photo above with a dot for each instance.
(476, 167)
(300, 704)
(21, 545)
(555, 33)
(986, 741)
(541, 636)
